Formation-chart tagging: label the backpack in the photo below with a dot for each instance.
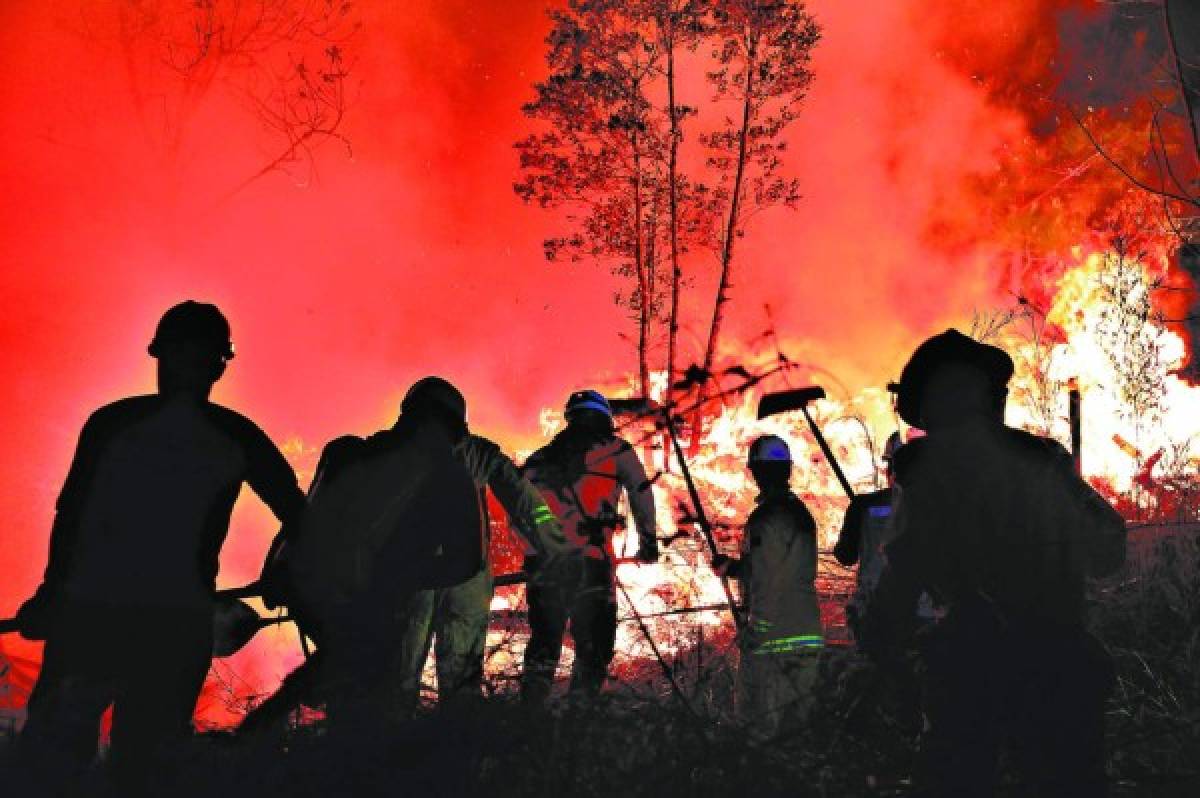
(386, 516)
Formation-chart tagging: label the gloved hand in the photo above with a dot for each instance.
(648, 554)
(35, 617)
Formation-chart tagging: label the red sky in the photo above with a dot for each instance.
(414, 256)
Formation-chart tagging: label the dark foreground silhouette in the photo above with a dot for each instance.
(990, 525)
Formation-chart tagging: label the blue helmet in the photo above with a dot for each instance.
(770, 449)
(587, 400)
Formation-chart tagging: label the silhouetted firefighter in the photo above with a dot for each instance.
(866, 528)
(388, 516)
(582, 473)
(126, 606)
(782, 636)
(995, 524)
(458, 616)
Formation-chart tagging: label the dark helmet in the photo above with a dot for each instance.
(769, 449)
(431, 393)
(195, 323)
(587, 401)
(949, 347)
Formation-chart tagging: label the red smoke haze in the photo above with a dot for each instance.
(414, 256)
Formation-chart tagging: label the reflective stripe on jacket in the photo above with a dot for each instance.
(587, 508)
(527, 511)
(777, 573)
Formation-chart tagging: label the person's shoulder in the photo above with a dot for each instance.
(122, 411)
(908, 456)
(477, 444)
(344, 445)
(130, 404)
(1034, 446)
(537, 458)
(235, 423)
(783, 506)
(609, 446)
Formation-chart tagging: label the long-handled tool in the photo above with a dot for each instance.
(799, 399)
(235, 623)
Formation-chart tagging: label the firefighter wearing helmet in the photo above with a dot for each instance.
(582, 474)
(454, 620)
(390, 518)
(776, 571)
(126, 605)
(995, 524)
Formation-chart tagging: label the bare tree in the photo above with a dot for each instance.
(284, 60)
(764, 48)
(679, 25)
(600, 153)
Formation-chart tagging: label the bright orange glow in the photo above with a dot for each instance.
(939, 175)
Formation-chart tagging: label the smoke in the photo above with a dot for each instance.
(409, 255)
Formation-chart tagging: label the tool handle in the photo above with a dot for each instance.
(824, 444)
(272, 620)
(701, 517)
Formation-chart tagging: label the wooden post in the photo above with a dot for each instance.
(1075, 411)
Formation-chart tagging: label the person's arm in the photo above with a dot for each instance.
(526, 508)
(69, 508)
(640, 494)
(846, 550)
(527, 512)
(34, 614)
(271, 477)
(1101, 529)
(889, 620)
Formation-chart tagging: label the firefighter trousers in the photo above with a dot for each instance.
(777, 689)
(580, 594)
(149, 664)
(454, 621)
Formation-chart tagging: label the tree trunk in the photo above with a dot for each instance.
(731, 229)
(673, 210)
(732, 222)
(640, 267)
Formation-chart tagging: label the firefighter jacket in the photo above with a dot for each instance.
(776, 572)
(526, 509)
(866, 528)
(146, 504)
(387, 515)
(582, 484)
(995, 519)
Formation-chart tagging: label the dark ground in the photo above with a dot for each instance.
(640, 738)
